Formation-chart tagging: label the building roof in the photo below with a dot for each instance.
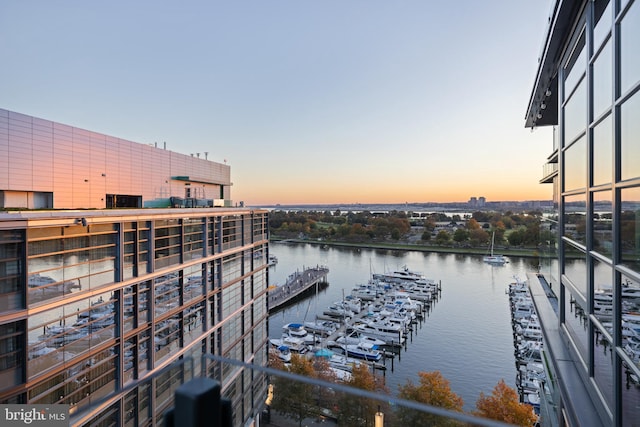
(559, 27)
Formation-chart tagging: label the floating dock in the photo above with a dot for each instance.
(298, 285)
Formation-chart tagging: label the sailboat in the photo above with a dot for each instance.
(492, 258)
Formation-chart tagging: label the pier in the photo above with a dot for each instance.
(298, 284)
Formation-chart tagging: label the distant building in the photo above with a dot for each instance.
(587, 87)
(98, 293)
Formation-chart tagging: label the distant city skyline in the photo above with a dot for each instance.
(308, 102)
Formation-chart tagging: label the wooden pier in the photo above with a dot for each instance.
(298, 284)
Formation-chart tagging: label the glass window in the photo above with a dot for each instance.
(575, 165)
(603, 366)
(630, 138)
(603, 22)
(602, 291)
(575, 269)
(602, 81)
(603, 223)
(576, 321)
(629, 58)
(629, 230)
(602, 152)
(575, 67)
(629, 379)
(575, 112)
(575, 218)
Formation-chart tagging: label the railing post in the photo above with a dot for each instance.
(198, 404)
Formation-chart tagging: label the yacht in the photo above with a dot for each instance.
(389, 333)
(362, 351)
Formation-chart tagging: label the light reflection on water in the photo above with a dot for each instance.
(467, 336)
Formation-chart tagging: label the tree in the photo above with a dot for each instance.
(360, 411)
(460, 235)
(442, 237)
(433, 390)
(503, 405)
(295, 398)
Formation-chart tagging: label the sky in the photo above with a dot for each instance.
(308, 101)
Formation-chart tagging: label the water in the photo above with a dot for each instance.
(467, 336)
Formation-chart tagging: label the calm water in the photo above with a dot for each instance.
(467, 335)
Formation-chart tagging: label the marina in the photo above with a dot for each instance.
(466, 335)
(527, 341)
(354, 331)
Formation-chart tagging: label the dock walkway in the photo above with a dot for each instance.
(297, 284)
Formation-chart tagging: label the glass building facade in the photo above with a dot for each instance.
(588, 87)
(93, 301)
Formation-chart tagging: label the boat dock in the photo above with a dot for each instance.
(297, 285)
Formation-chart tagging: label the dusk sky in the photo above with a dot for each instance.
(308, 101)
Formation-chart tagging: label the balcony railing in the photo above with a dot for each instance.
(179, 395)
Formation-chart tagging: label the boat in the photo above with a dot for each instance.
(49, 284)
(493, 258)
(284, 353)
(399, 276)
(321, 327)
(362, 351)
(356, 337)
(391, 334)
(38, 349)
(297, 345)
(273, 260)
(297, 330)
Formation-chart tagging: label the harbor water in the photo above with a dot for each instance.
(466, 335)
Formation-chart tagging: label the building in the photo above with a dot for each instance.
(587, 87)
(94, 300)
(47, 165)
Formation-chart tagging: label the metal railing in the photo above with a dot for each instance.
(178, 396)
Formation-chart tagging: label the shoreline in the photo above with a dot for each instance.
(520, 252)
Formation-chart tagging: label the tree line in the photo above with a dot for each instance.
(298, 400)
(475, 230)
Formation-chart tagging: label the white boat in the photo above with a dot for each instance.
(63, 335)
(356, 337)
(339, 309)
(493, 258)
(297, 330)
(321, 327)
(362, 351)
(284, 353)
(273, 260)
(49, 284)
(389, 333)
(399, 276)
(38, 349)
(295, 344)
(343, 362)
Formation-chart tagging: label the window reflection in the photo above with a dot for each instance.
(575, 218)
(602, 152)
(576, 272)
(629, 59)
(602, 81)
(576, 322)
(603, 366)
(629, 232)
(602, 293)
(575, 112)
(603, 223)
(630, 138)
(575, 165)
